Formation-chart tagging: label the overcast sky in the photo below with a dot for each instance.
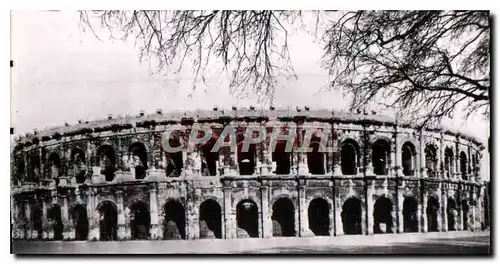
(63, 74)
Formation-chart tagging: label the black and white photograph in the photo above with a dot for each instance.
(250, 132)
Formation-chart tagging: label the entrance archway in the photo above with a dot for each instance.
(351, 216)
(80, 221)
(140, 220)
(108, 221)
(452, 213)
(319, 217)
(410, 215)
(247, 217)
(54, 216)
(107, 161)
(210, 219)
(139, 155)
(282, 158)
(432, 213)
(349, 157)
(37, 215)
(283, 218)
(380, 156)
(175, 221)
(316, 157)
(382, 216)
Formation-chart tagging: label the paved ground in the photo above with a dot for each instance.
(477, 243)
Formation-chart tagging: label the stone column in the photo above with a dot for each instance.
(339, 228)
(444, 211)
(153, 211)
(370, 189)
(337, 163)
(93, 216)
(400, 201)
(303, 168)
(392, 169)
(29, 224)
(303, 217)
(266, 216)
(398, 158)
(423, 168)
(368, 165)
(123, 232)
(423, 226)
(229, 224)
(67, 226)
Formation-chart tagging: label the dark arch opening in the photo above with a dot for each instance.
(37, 215)
(316, 158)
(54, 165)
(19, 170)
(283, 218)
(210, 219)
(382, 216)
(431, 160)
(175, 221)
(140, 156)
(282, 158)
(209, 163)
(452, 213)
(107, 161)
(54, 216)
(246, 159)
(140, 220)
(34, 167)
(408, 156)
(448, 161)
(463, 165)
(108, 221)
(432, 213)
(174, 160)
(247, 217)
(351, 216)
(78, 161)
(349, 155)
(410, 215)
(465, 215)
(319, 217)
(80, 221)
(380, 157)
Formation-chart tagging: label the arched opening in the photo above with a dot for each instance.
(139, 157)
(410, 215)
(463, 165)
(431, 160)
(380, 157)
(448, 162)
(140, 221)
(382, 216)
(54, 217)
(247, 217)
(319, 217)
(210, 158)
(452, 213)
(210, 219)
(465, 215)
(20, 169)
(55, 166)
(80, 221)
(282, 158)
(351, 216)
(107, 161)
(246, 159)
(283, 218)
(175, 221)
(34, 163)
(108, 221)
(78, 161)
(173, 162)
(409, 159)
(432, 214)
(36, 216)
(349, 154)
(316, 157)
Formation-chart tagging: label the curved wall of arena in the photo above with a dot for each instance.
(112, 179)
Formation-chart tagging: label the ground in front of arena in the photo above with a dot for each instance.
(467, 243)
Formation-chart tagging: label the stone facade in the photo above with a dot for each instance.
(111, 180)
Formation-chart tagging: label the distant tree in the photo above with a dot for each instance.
(425, 63)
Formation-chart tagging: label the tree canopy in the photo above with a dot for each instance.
(426, 64)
